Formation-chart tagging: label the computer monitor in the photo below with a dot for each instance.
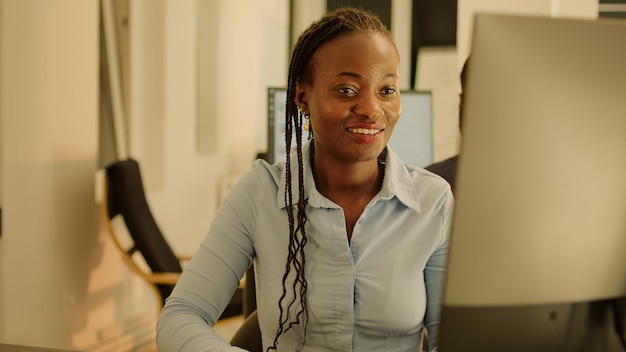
(411, 138)
(537, 257)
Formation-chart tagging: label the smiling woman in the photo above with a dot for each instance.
(320, 225)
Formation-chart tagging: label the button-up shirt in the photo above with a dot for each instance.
(375, 292)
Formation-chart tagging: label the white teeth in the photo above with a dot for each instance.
(365, 131)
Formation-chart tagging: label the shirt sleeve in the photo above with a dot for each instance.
(434, 273)
(212, 276)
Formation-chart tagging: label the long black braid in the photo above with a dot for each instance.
(341, 21)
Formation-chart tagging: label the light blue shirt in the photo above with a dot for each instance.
(374, 293)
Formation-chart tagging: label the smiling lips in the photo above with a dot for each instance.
(365, 131)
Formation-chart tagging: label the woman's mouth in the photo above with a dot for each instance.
(365, 131)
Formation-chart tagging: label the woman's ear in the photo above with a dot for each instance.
(301, 97)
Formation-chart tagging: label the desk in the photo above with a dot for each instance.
(16, 348)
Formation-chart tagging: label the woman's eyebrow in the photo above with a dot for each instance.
(358, 76)
(350, 74)
(391, 75)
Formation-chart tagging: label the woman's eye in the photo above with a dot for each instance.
(347, 91)
(389, 91)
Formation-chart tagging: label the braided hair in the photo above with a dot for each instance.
(341, 21)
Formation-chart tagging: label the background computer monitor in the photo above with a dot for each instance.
(411, 138)
(538, 244)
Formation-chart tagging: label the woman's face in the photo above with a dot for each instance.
(353, 98)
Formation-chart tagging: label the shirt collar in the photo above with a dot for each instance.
(397, 181)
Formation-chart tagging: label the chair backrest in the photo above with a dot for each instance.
(126, 197)
(248, 336)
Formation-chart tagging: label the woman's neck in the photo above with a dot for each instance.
(337, 181)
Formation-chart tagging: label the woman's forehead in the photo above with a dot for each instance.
(361, 50)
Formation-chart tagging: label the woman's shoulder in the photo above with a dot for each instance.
(257, 184)
(263, 171)
(425, 174)
(264, 167)
(419, 176)
(426, 180)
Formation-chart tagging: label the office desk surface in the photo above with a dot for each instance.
(16, 348)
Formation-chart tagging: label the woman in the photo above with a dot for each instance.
(348, 242)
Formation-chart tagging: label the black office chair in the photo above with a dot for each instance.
(123, 195)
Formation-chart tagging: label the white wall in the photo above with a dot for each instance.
(49, 114)
(62, 283)
(251, 53)
(1, 178)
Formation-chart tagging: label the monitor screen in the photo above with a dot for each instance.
(537, 256)
(411, 138)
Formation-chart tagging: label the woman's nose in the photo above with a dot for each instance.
(369, 105)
